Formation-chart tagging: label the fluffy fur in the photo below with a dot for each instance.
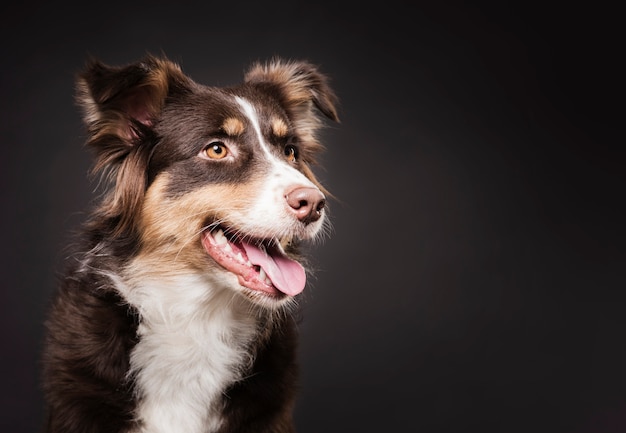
(165, 320)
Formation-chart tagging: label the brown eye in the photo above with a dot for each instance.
(216, 150)
(291, 153)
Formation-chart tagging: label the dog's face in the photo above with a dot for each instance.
(213, 181)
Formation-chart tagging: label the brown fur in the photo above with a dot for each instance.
(143, 122)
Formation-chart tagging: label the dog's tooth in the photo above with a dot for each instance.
(219, 237)
(239, 257)
(263, 276)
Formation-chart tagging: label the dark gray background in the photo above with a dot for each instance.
(474, 279)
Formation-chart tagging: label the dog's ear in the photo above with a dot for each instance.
(300, 86)
(120, 105)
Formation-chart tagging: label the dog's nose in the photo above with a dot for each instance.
(306, 203)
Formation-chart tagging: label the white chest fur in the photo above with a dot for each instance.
(192, 345)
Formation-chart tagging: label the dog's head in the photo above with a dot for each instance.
(214, 181)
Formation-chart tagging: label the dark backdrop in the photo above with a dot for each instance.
(474, 279)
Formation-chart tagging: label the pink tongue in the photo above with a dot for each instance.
(287, 275)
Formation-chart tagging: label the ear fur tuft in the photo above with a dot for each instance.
(120, 105)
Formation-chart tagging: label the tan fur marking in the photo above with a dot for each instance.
(171, 228)
(233, 126)
(279, 127)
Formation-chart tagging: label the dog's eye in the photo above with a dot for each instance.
(215, 150)
(291, 153)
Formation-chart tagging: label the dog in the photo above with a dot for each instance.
(176, 311)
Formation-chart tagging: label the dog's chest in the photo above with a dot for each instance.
(190, 350)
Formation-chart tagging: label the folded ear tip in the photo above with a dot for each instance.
(300, 81)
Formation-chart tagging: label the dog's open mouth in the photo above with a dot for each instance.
(259, 265)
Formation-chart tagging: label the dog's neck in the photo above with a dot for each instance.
(194, 342)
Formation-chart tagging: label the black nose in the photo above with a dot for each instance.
(306, 203)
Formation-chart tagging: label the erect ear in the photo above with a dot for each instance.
(301, 87)
(120, 106)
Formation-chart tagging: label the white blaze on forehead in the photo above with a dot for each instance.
(251, 114)
(281, 167)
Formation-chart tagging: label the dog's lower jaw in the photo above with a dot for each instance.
(237, 272)
(264, 273)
